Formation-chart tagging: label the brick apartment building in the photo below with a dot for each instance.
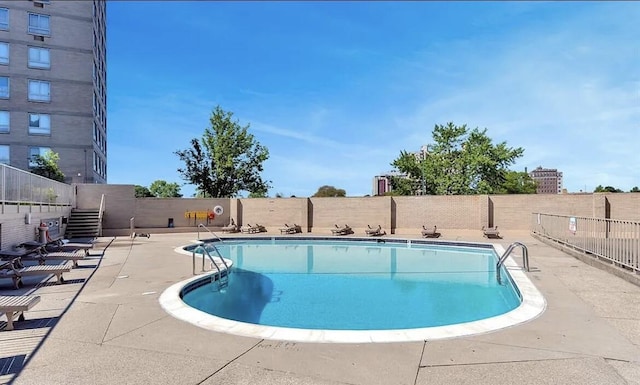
(53, 85)
(549, 180)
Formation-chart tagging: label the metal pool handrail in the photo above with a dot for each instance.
(203, 247)
(210, 232)
(525, 258)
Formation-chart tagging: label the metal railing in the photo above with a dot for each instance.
(525, 258)
(617, 241)
(210, 232)
(22, 187)
(223, 274)
(100, 215)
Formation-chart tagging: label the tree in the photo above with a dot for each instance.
(226, 160)
(413, 181)
(460, 162)
(516, 182)
(46, 165)
(329, 191)
(635, 189)
(162, 189)
(610, 189)
(258, 194)
(403, 185)
(142, 192)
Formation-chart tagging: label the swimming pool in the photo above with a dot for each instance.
(353, 290)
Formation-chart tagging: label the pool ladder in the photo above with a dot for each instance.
(223, 274)
(525, 258)
(210, 232)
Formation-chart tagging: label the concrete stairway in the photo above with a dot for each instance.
(83, 223)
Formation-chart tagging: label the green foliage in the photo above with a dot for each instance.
(226, 160)
(413, 185)
(635, 189)
(329, 191)
(258, 194)
(47, 166)
(460, 162)
(516, 182)
(610, 189)
(162, 189)
(142, 192)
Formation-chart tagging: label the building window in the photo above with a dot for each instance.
(4, 18)
(4, 154)
(34, 152)
(39, 124)
(39, 57)
(4, 53)
(4, 121)
(39, 24)
(39, 91)
(4, 87)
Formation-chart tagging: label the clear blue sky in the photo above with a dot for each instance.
(336, 90)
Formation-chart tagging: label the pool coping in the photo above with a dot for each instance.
(532, 306)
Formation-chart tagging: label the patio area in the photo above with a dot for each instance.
(105, 326)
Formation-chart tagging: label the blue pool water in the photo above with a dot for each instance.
(356, 285)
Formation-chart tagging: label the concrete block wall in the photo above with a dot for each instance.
(14, 229)
(402, 215)
(624, 206)
(325, 213)
(119, 200)
(446, 212)
(513, 212)
(273, 213)
(155, 212)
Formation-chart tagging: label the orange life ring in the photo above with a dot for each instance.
(211, 215)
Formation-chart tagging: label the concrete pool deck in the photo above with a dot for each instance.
(106, 326)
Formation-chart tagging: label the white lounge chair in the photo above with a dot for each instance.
(15, 305)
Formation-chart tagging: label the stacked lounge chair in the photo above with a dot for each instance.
(342, 230)
(290, 229)
(231, 227)
(375, 231)
(258, 228)
(491, 232)
(428, 232)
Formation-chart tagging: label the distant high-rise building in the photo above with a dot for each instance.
(422, 154)
(382, 182)
(549, 180)
(53, 93)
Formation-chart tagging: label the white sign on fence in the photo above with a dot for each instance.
(572, 225)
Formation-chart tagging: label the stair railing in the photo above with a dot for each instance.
(100, 215)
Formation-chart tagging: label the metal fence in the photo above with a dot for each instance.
(614, 240)
(22, 187)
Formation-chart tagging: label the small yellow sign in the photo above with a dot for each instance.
(199, 214)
